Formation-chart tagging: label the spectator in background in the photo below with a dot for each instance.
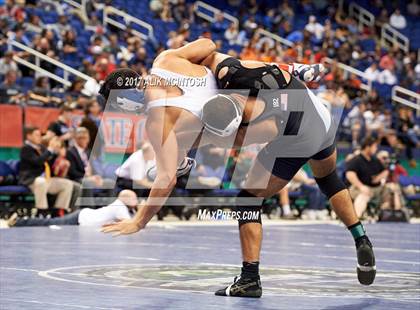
(35, 171)
(336, 97)
(315, 209)
(156, 6)
(397, 20)
(250, 24)
(69, 42)
(315, 28)
(44, 47)
(286, 12)
(114, 46)
(211, 169)
(92, 86)
(8, 64)
(116, 211)
(18, 35)
(81, 170)
(381, 20)
(220, 24)
(413, 8)
(61, 165)
(180, 11)
(393, 197)
(62, 127)
(179, 39)
(387, 61)
(4, 33)
(372, 72)
(10, 9)
(407, 131)
(104, 67)
(41, 93)
(374, 121)
(10, 91)
(171, 39)
(355, 123)
(91, 121)
(74, 95)
(62, 26)
(366, 175)
(387, 76)
(249, 52)
(285, 211)
(34, 24)
(133, 172)
(97, 46)
(373, 100)
(232, 34)
(94, 24)
(166, 13)
(391, 161)
(78, 156)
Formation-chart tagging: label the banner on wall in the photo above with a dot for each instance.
(122, 133)
(11, 126)
(40, 117)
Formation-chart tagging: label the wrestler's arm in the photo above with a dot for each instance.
(159, 128)
(194, 51)
(164, 142)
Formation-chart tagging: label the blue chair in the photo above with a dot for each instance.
(407, 181)
(5, 169)
(14, 164)
(13, 196)
(27, 83)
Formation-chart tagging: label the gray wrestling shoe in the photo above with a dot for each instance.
(183, 168)
(308, 73)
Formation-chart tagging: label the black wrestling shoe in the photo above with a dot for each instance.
(242, 287)
(366, 268)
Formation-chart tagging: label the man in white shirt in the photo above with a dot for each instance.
(372, 72)
(315, 28)
(133, 172)
(397, 20)
(387, 77)
(118, 210)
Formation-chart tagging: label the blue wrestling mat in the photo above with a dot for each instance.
(179, 266)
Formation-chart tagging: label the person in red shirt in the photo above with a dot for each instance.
(104, 67)
(387, 61)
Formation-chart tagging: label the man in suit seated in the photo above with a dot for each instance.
(81, 170)
(36, 161)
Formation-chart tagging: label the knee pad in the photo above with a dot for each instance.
(246, 209)
(330, 184)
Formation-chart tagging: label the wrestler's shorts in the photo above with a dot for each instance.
(286, 167)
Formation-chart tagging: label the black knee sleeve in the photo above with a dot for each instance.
(248, 209)
(330, 184)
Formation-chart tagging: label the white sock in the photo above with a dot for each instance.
(286, 209)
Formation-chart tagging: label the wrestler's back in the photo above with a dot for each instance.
(158, 89)
(182, 87)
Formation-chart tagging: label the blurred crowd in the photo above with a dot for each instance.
(74, 154)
